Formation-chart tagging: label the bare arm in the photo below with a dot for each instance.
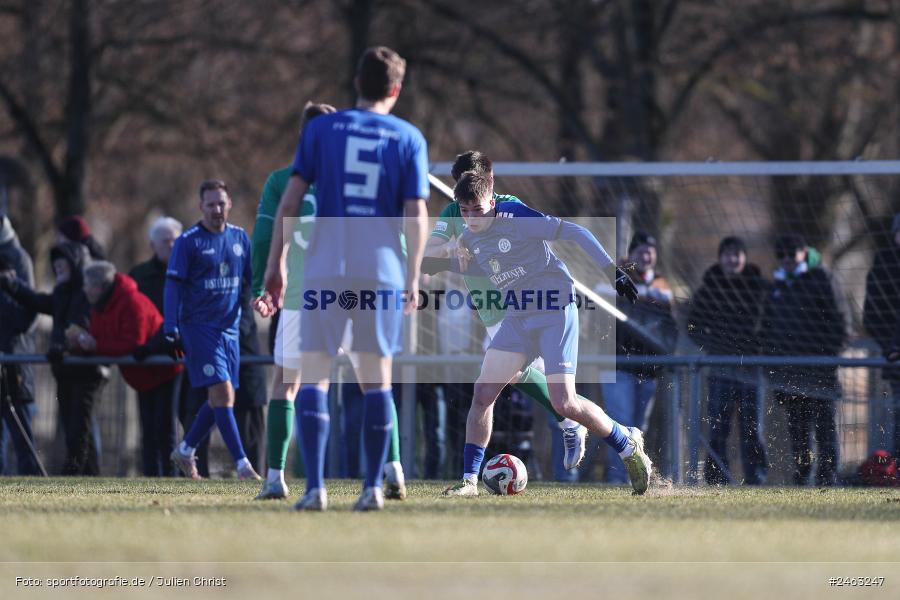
(288, 207)
(416, 230)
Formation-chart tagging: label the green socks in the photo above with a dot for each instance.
(533, 383)
(279, 427)
(394, 449)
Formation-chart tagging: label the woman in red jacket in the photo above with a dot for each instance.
(122, 320)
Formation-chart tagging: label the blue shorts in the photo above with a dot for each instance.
(377, 324)
(211, 355)
(552, 335)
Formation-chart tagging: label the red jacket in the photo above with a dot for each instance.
(126, 320)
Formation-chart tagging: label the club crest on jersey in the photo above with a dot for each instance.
(495, 265)
(223, 269)
(504, 245)
(238, 250)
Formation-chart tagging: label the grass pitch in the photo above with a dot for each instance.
(673, 542)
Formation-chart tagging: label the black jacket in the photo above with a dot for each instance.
(19, 328)
(151, 280)
(67, 304)
(252, 390)
(882, 306)
(725, 312)
(801, 317)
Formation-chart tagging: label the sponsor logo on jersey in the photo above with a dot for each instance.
(440, 226)
(505, 215)
(504, 245)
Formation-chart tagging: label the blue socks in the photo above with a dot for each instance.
(200, 428)
(313, 423)
(473, 456)
(618, 439)
(228, 428)
(378, 421)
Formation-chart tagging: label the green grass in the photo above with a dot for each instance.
(549, 530)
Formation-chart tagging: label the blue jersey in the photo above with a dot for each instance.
(208, 269)
(513, 253)
(364, 164)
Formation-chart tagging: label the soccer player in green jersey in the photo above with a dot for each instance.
(286, 379)
(442, 244)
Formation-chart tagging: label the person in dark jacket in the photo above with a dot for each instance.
(724, 315)
(16, 322)
(123, 320)
(801, 317)
(78, 387)
(75, 229)
(881, 313)
(150, 275)
(20, 377)
(630, 398)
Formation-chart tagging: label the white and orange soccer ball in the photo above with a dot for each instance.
(505, 475)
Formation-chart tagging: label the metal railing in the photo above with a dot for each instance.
(682, 463)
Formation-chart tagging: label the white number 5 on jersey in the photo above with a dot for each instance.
(355, 166)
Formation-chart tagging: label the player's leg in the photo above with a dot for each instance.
(558, 342)
(313, 423)
(280, 416)
(498, 369)
(533, 383)
(199, 358)
(373, 371)
(394, 478)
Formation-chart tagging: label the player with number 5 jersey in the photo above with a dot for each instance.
(370, 170)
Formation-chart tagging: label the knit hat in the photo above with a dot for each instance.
(787, 244)
(732, 242)
(641, 238)
(75, 228)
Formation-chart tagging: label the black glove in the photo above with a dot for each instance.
(56, 354)
(625, 286)
(172, 345)
(141, 353)
(892, 354)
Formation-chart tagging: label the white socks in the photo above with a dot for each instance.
(185, 450)
(568, 423)
(275, 475)
(393, 472)
(243, 463)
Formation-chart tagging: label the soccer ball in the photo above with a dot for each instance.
(505, 475)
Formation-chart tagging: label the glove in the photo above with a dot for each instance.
(892, 354)
(625, 286)
(141, 353)
(172, 345)
(56, 354)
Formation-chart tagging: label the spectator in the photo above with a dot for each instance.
(78, 387)
(75, 229)
(150, 276)
(16, 398)
(801, 317)
(22, 343)
(630, 398)
(881, 313)
(723, 319)
(123, 320)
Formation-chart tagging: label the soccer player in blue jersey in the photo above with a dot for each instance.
(370, 170)
(209, 264)
(507, 242)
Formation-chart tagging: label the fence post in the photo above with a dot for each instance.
(674, 467)
(693, 422)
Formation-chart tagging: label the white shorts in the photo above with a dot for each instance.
(537, 363)
(287, 340)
